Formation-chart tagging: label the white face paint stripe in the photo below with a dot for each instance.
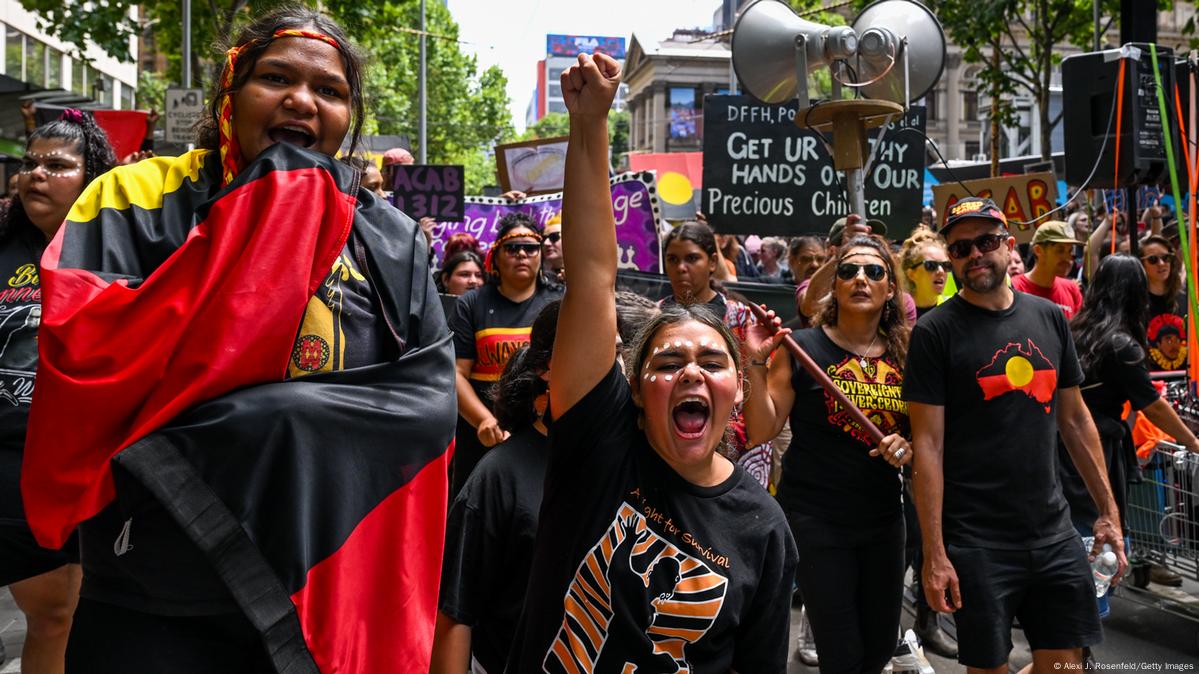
(668, 377)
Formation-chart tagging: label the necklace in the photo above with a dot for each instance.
(861, 357)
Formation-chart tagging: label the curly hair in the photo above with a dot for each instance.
(893, 322)
(259, 35)
(912, 253)
(521, 382)
(90, 142)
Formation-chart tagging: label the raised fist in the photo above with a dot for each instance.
(589, 86)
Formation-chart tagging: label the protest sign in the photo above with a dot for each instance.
(764, 175)
(428, 190)
(679, 175)
(1022, 198)
(634, 203)
(533, 166)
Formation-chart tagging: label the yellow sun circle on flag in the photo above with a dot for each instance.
(1019, 371)
(674, 188)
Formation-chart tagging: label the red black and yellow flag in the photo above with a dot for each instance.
(171, 309)
(1023, 368)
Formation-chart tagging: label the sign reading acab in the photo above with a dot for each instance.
(1023, 199)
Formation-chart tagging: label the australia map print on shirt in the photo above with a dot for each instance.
(683, 597)
(20, 316)
(1019, 367)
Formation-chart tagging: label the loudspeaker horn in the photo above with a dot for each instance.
(765, 54)
(882, 28)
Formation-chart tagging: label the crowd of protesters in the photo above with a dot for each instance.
(636, 483)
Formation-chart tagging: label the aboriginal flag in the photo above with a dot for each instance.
(1019, 367)
(171, 307)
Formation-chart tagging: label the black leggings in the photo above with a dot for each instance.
(852, 583)
(109, 639)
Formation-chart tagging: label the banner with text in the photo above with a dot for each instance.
(764, 175)
(634, 203)
(1022, 199)
(428, 190)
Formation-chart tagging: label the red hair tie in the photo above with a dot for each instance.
(231, 159)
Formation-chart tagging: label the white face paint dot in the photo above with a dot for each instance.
(653, 377)
(645, 376)
(689, 343)
(678, 343)
(669, 377)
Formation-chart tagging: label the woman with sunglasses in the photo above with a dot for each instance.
(490, 323)
(925, 267)
(841, 492)
(267, 375)
(1167, 318)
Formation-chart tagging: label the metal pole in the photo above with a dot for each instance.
(187, 43)
(1095, 17)
(856, 180)
(421, 129)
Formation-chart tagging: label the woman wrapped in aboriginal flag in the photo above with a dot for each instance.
(246, 394)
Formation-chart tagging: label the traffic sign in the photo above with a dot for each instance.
(184, 107)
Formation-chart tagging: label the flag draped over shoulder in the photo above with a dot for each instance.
(171, 307)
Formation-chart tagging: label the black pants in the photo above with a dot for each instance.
(852, 583)
(109, 639)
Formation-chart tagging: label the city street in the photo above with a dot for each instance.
(1135, 635)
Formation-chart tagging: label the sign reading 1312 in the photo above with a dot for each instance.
(427, 190)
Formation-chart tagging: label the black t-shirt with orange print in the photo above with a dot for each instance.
(828, 471)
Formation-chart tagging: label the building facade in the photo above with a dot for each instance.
(561, 52)
(35, 62)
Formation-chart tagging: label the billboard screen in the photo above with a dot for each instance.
(573, 45)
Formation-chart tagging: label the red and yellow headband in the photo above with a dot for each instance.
(231, 159)
(519, 233)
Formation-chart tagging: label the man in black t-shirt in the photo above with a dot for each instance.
(991, 376)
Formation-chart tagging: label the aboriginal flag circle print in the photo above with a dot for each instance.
(1019, 367)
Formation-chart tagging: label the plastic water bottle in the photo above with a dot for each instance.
(1104, 566)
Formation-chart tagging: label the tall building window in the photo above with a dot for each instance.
(930, 105)
(53, 68)
(35, 62)
(126, 97)
(14, 52)
(79, 79)
(684, 115)
(970, 96)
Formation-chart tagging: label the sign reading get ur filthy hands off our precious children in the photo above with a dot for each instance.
(764, 175)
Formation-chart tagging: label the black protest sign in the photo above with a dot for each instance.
(764, 175)
(428, 190)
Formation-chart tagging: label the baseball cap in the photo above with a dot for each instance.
(972, 207)
(837, 231)
(1055, 231)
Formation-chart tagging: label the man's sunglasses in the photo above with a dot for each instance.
(985, 244)
(529, 249)
(847, 271)
(1157, 259)
(931, 266)
(553, 237)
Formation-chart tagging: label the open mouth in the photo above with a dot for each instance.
(691, 418)
(292, 135)
(860, 295)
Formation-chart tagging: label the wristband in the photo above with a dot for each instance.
(757, 363)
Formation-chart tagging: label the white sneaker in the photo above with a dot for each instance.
(806, 643)
(909, 657)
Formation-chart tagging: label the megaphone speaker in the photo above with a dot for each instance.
(888, 22)
(764, 49)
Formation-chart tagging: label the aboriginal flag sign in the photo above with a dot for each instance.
(171, 309)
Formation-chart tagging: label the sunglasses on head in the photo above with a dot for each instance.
(553, 237)
(847, 271)
(1157, 259)
(985, 244)
(530, 249)
(931, 266)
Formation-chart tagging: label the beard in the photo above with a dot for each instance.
(985, 283)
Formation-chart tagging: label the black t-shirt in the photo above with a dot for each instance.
(635, 568)
(135, 555)
(828, 471)
(997, 373)
(1167, 332)
(488, 328)
(1120, 375)
(20, 316)
(489, 543)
